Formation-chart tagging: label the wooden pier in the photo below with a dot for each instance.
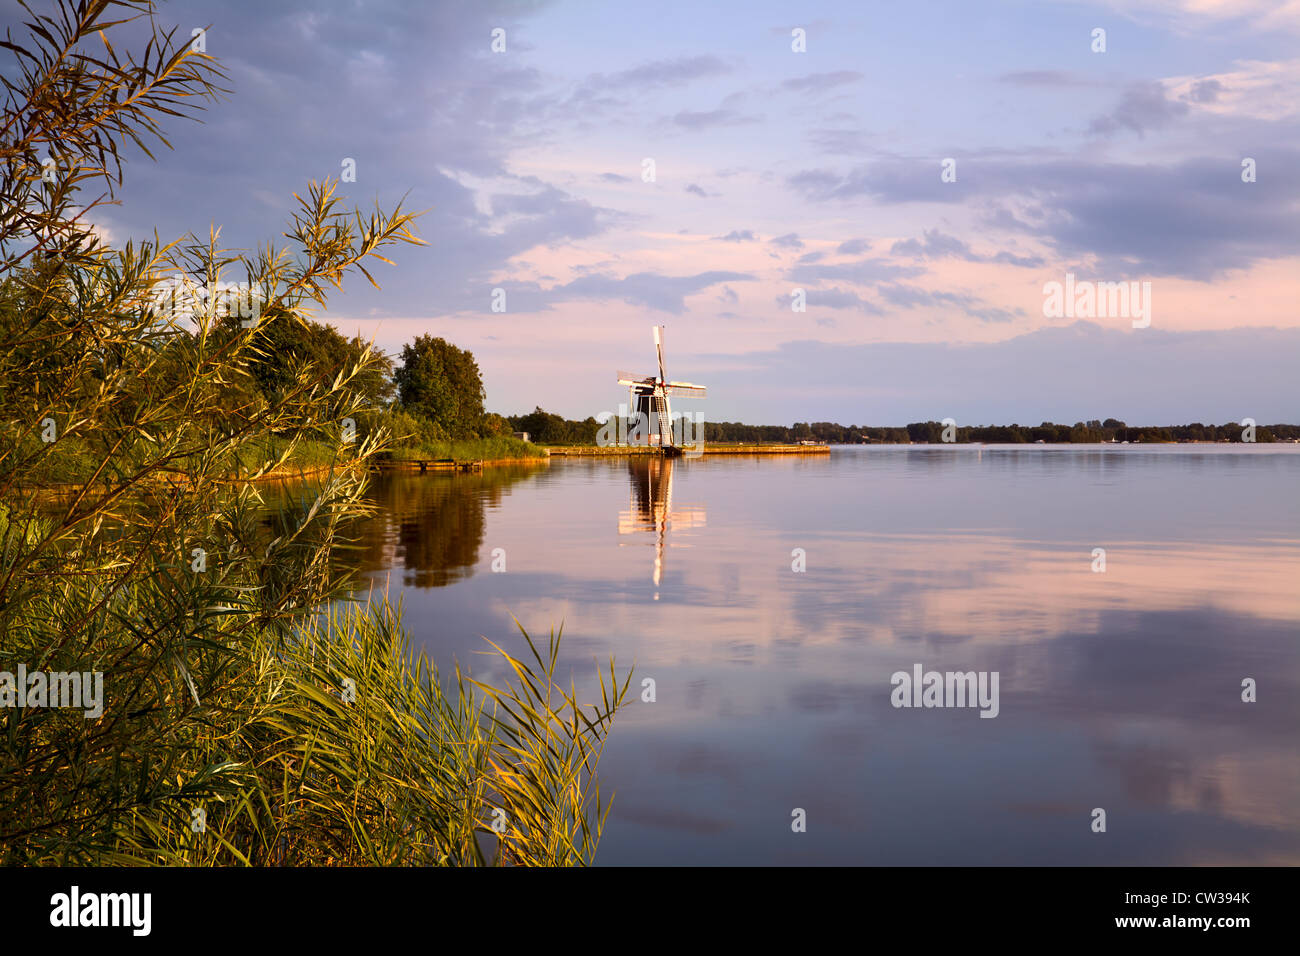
(709, 448)
(423, 465)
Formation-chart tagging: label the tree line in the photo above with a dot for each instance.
(433, 392)
(551, 429)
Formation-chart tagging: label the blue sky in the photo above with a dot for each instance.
(777, 170)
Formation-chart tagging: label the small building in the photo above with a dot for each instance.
(522, 436)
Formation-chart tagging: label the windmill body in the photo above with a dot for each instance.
(649, 397)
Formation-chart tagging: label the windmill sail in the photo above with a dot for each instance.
(659, 347)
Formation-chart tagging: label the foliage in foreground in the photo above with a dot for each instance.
(337, 747)
(195, 601)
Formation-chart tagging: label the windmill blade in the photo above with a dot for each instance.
(686, 390)
(659, 347)
(627, 378)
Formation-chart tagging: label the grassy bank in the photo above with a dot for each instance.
(68, 464)
(469, 449)
(305, 455)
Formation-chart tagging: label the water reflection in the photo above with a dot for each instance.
(431, 527)
(1119, 689)
(652, 507)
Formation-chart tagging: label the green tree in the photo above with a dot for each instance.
(495, 426)
(442, 383)
(290, 345)
(545, 427)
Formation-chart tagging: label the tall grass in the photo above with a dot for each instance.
(296, 736)
(293, 455)
(476, 449)
(344, 747)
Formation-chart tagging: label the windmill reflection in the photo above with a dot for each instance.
(652, 507)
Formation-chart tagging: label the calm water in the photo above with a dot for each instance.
(1118, 690)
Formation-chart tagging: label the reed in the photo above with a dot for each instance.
(216, 622)
(342, 747)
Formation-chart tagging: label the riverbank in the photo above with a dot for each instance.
(315, 460)
(708, 448)
(500, 448)
(421, 466)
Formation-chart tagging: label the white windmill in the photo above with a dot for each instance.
(649, 397)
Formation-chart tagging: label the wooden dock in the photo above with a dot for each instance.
(423, 465)
(710, 448)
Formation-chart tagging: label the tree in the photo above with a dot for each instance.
(442, 383)
(495, 426)
(930, 431)
(290, 345)
(547, 428)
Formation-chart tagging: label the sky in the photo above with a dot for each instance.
(783, 161)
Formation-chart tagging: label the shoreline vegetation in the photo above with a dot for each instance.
(552, 430)
(254, 711)
(454, 456)
(273, 458)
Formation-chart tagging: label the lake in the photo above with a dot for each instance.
(1119, 674)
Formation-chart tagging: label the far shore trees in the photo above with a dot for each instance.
(551, 429)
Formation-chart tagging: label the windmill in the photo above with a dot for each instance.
(649, 397)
